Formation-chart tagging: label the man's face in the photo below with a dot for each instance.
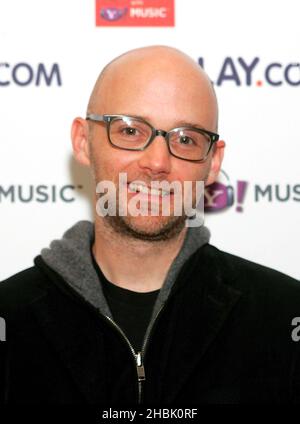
(167, 96)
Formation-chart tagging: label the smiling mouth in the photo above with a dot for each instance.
(141, 188)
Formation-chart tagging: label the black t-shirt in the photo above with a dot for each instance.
(131, 310)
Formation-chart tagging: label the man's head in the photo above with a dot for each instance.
(168, 89)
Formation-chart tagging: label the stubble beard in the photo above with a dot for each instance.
(144, 228)
(168, 227)
(166, 230)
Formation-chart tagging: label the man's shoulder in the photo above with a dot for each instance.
(248, 276)
(22, 288)
(246, 266)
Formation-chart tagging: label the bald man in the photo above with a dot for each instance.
(139, 308)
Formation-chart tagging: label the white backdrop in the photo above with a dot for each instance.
(259, 117)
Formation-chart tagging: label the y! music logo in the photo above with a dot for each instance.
(221, 194)
(135, 13)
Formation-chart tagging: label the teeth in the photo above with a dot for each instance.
(134, 188)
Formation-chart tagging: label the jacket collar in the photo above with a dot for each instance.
(71, 258)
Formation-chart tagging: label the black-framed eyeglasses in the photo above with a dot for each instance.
(134, 133)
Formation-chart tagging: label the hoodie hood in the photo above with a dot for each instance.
(71, 257)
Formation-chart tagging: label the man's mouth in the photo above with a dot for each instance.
(141, 188)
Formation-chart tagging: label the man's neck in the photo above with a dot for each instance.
(134, 264)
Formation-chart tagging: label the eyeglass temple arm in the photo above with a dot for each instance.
(94, 117)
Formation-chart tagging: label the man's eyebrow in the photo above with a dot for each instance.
(176, 124)
(189, 124)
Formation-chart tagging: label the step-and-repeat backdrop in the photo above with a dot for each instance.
(50, 55)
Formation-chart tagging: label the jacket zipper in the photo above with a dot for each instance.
(136, 356)
(139, 356)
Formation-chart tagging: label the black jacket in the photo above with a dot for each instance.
(223, 336)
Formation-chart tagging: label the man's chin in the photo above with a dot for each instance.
(147, 228)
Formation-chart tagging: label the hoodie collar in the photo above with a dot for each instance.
(71, 257)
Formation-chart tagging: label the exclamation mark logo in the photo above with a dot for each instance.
(241, 191)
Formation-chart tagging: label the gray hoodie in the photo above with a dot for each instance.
(71, 258)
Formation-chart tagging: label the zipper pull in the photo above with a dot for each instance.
(140, 367)
(141, 374)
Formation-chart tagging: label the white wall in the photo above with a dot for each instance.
(260, 124)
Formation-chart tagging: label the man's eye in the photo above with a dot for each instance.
(129, 131)
(186, 140)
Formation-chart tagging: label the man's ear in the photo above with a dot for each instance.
(216, 162)
(80, 141)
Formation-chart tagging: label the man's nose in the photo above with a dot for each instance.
(156, 157)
